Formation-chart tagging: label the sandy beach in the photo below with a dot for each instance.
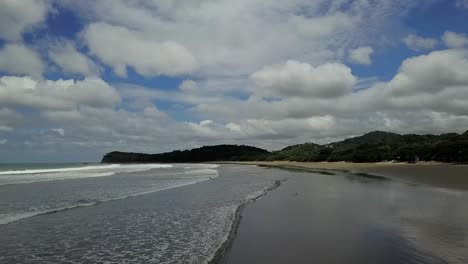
(352, 218)
(428, 173)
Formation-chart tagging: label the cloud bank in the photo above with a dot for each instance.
(267, 73)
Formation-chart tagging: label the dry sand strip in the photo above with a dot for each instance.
(436, 174)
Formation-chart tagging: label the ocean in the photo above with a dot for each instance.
(113, 213)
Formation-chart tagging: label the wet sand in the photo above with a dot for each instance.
(434, 174)
(355, 219)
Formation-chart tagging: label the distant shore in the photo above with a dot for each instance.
(435, 174)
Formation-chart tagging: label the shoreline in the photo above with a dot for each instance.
(435, 174)
(220, 254)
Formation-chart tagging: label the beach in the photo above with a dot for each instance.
(325, 214)
(227, 213)
(435, 174)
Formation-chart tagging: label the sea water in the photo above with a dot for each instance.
(138, 213)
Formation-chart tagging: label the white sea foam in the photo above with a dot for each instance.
(86, 168)
(8, 218)
(67, 173)
(199, 175)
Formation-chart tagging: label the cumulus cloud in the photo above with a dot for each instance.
(361, 55)
(244, 80)
(229, 39)
(71, 61)
(294, 78)
(455, 40)
(428, 94)
(17, 17)
(425, 90)
(58, 95)
(418, 43)
(130, 48)
(188, 86)
(19, 59)
(432, 73)
(153, 112)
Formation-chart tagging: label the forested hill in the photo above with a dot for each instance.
(372, 147)
(203, 154)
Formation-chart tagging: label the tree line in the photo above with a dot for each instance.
(375, 146)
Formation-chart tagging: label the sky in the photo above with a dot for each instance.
(81, 78)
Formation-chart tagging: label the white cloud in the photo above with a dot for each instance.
(254, 69)
(154, 112)
(425, 90)
(62, 115)
(188, 86)
(232, 39)
(17, 17)
(432, 73)
(361, 55)
(418, 43)
(147, 55)
(294, 78)
(462, 3)
(428, 94)
(18, 59)
(8, 119)
(205, 129)
(455, 40)
(3, 141)
(59, 95)
(71, 61)
(59, 131)
(323, 26)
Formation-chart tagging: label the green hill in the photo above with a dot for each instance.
(372, 147)
(203, 154)
(384, 146)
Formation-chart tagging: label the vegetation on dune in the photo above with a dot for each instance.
(372, 147)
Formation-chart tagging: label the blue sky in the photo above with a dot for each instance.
(78, 79)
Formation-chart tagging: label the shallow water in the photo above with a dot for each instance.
(315, 218)
(137, 217)
(26, 192)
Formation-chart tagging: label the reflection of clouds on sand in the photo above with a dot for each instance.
(412, 221)
(433, 220)
(347, 218)
(332, 192)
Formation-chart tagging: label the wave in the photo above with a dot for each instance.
(19, 216)
(10, 179)
(84, 168)
(57, 174)
(6, 219)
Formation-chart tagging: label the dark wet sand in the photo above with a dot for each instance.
(351, 219)
(433, 174)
